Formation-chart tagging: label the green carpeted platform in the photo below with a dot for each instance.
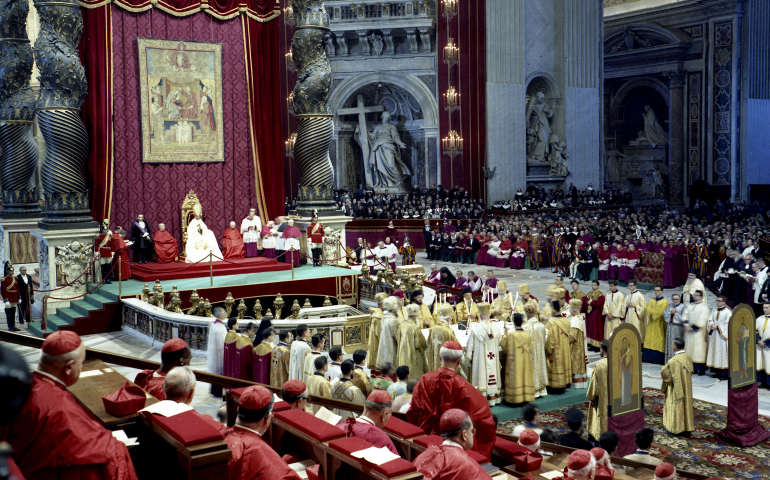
(572, 396)
(305, 272)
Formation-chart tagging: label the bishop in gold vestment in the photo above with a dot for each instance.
(655, 339)
(677, 390)
(525, 299)
(578, 344)
(598, 395)
(466, 305)
(279, 366)
(374, 330)
(412, 344)
(503, 304)
(519, 378)
(557, 348)
(426, 318)
(319, 386)
(536, 329)
(438, 335)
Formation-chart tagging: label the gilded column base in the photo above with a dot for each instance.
(316, 197)
(65, 209)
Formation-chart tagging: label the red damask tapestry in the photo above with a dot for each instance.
(251, 175)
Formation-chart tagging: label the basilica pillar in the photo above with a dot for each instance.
(18, 163)
(311, 106)
(676, 156)
(63, 88)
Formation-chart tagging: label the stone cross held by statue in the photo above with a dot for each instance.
(361, 111)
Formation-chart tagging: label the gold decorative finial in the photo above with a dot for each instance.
(307, 304)
(145, 297)
(268, 313)
(327, 302)
(295, 308)
(278, 304)
(229, 302)
(241, 309)
(257, 310)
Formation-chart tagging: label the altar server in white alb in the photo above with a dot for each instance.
(695, 321)
(763, 346)
(251, 227)
(718, 326)
(483, 351)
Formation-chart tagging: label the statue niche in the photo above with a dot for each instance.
(547, 154)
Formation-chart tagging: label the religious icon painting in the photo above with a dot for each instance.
(180, 88)
(625, 370)
(742, 347)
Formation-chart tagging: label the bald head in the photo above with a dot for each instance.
(179, 385)
(65, 367)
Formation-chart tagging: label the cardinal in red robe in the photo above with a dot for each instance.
(369, 425)
(232, 240)
(174, 353)
(165, 245)
(252, 456)
(120, 250)
(54, 436)
(450, 461)
(443, 389)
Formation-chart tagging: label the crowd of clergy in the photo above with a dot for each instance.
(513, 351)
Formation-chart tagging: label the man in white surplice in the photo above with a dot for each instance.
(719, 322)
(200, 240)
(251, 227)
(388, 329)
(483, 350)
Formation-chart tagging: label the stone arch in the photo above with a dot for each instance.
(553, 88)
(629, 86)
(642, 35)
(424, 96)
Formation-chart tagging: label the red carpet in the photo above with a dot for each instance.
(149, 272)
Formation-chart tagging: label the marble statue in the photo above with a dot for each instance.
(388, 170)
(538, 116)
(331, 249)
(558, 157)
(613, 167)
(653, 132)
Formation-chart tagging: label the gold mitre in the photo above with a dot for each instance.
(484, 308)
(413, 310)
(380, 297)
(558, 293)
(576, 303)
(523, 289)
(502, 286)
(446, 311)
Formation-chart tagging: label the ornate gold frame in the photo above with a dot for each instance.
(186, 211)
(144, 44)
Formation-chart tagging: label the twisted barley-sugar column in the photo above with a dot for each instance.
(311, 95)
(17, 112)
(63, 87)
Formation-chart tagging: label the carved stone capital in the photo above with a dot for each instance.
(676, 78)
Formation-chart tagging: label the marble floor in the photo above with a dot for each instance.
(704, 388)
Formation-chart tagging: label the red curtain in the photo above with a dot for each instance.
(96, 57)
(469, 79)
(261, 10)
(121, 185)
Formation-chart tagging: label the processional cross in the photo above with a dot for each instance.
(361, 111)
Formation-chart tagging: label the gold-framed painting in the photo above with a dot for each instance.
(742, 347)
(180, 84)
(625, 371)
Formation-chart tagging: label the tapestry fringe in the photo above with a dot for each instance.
(203, 7)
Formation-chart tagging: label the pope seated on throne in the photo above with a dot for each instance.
(200, 240)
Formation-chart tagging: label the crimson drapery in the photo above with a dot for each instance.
(469, 79)
(121, 186)
(743, 426)
(261, 10)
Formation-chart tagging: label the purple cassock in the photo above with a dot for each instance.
(461, 283)
(263, 355)
(491, 283)
(239, 356)
(363, 429)
(669, 268)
